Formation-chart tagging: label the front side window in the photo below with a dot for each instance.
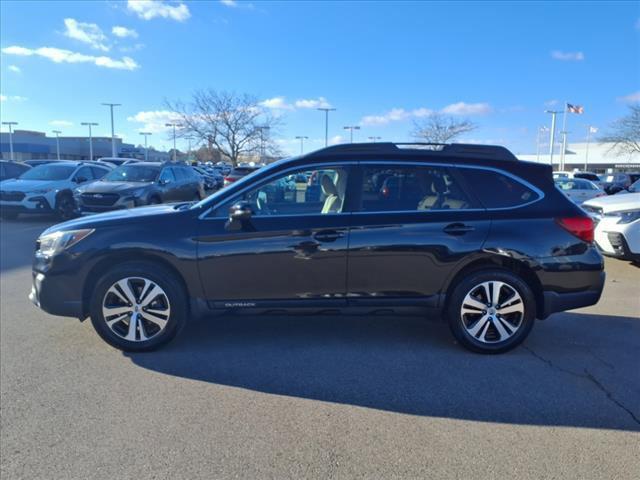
(497, 190)
(302, 192)
(132, 173)
(84, 172)
(388, 188)
(49, 171)
(167, 175)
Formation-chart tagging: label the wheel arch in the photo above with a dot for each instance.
(519, 267)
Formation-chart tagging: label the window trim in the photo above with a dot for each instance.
(263, 181)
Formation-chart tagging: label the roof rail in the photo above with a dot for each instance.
(489, 152)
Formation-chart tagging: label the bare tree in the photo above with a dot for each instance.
(624, 133)
(232, 124)
(438, 128)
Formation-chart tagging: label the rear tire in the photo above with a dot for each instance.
(138, 306)
(154, 201)
(491, 311)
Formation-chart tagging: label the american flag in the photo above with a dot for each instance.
(575, 109)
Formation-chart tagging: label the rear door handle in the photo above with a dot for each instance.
(328, 235)
(457, 229)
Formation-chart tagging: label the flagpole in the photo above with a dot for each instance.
(564, 136)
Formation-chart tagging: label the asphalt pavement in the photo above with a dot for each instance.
(317, 396)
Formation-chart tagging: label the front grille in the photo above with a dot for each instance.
(12, 196)
(99, 199)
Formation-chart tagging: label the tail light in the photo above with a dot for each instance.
(229, 179)
(581, 227)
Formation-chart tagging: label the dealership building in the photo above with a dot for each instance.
(30, 145)
(593, 157)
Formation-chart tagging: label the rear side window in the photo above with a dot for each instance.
(497, 190)
(388, 188)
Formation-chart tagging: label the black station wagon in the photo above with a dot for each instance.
(465, 233)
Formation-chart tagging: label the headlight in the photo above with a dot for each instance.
(628, 217)
(53, 243)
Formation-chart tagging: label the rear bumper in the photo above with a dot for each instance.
(559, 302)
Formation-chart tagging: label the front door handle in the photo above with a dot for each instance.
(328, 235)
(457, 229)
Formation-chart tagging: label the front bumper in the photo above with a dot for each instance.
(30, 204)
(52, 296)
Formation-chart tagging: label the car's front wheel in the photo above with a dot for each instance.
(65, 207)
(138, 306)
(491, 311)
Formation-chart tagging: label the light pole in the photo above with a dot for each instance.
(326, 123)
(57, 132)
(113, 135)
(90, 124)
(552, 134)
(590, 129)
(302, 138)
(373, 139)
(174, 125)
(146, 148)
(262, 129)
(351, 128)
(541, 129)
(10, 125)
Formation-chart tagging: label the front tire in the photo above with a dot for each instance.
(138, 306)
(491, 311)
(65, 207)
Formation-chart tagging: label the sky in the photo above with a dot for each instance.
(382, 65)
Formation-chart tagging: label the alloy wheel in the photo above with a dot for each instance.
(492, 312)
(136, 309)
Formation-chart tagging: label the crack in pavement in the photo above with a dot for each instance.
(585, 376)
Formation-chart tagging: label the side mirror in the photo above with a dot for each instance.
(80, 180)
(162, 182)
(239, 215)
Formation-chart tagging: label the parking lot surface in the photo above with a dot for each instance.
(312, 396)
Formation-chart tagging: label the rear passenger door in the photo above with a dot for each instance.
(414, 223)
(169, 187)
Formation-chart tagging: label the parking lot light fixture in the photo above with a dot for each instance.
(302, 138)
(351, 128)
(90, 124)
(10, 125)
(326, 123)
(374, 139)
(552, 133)
(113, 135)
(173, 125)
(146, 148)
(57, 132)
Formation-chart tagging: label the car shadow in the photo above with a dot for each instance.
(409, 366)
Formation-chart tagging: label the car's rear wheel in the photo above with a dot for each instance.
(138, 306)
(155, 201)
(491, 311)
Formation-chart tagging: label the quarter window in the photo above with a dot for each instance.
(302, 192)
(497, 190)
(412, 188)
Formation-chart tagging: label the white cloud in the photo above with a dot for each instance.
(631, 98)
(61, 123)
(336, 140)
(124, 32)
(59, 55)
(14, 69)
(319, 102)
(154, 120)
(12, 98)
(237, 4)
(395, 115)
(567, 56)
(276, 103)
(149, 9)
(88, 33)
(551, 103)
(229, 3)
(462, 108)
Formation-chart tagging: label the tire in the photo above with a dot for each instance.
(8, 215)
(154, 201)
(150, 331)
(65, 207)
(481, 327)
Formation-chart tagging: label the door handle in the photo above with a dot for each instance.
(457, 229)
(328, 235)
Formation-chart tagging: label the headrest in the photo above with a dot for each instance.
(328, 188)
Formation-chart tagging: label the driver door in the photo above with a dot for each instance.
(293, 248)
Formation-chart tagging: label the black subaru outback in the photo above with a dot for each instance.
(462, 232)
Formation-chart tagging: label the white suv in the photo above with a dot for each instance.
(47, 188)
(617, 220)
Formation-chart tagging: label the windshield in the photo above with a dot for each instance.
(133, 173)
(48, 172)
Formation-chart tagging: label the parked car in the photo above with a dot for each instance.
(211, 178)
(614, 182)
(116, 161)
(41, 161)
(47, 188)
(136, 184)
(10, 169)
(487, 242)
(633, 188)
(579, 190)
(617, 232)
(592, 177)
(237, 173)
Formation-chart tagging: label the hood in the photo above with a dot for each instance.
(19, 185)
(111, 187)
(118, 217)
(616, 203)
